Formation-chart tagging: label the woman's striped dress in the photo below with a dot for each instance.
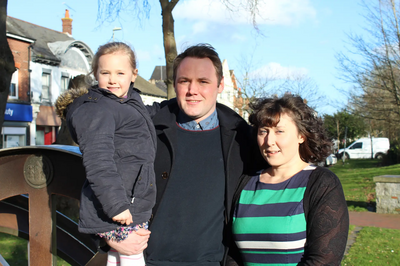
(269, 226)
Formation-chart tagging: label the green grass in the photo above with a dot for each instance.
(374, 246)
(357, 176)
(15, 251)
(351, 228)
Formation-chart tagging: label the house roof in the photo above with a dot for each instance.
(41, 51)
(49, 45)
(159, 73)
(158, 77)
(148, 88)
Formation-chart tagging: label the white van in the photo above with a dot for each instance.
(361, 148)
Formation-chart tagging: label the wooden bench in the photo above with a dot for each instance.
(29, 178)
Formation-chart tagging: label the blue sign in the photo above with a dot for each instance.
(18, 112)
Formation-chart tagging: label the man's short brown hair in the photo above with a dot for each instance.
(202, 50)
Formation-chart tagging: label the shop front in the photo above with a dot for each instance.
(15, 130)
(47, 124)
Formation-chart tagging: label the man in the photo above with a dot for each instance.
(202, 150)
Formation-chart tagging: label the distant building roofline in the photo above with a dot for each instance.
(21, 38)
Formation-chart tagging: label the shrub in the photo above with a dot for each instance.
(393, 155)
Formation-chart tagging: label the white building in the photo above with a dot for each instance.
(48, 60)
(226, 97)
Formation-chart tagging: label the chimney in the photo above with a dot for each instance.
(67, 23)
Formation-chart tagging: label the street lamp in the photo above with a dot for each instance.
(115, 29)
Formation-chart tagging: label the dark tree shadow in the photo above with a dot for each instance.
(368, 206)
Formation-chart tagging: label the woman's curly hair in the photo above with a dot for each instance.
(267, 112)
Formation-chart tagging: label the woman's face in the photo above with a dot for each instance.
(280, 145)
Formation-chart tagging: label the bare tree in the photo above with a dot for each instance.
(110, 9)
(268, 81)
(252, 82)
(303, 85)
(372, 65)
(7, 65)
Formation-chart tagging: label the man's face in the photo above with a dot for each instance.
(197, 87)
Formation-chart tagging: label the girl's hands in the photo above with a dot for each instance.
(124, 217)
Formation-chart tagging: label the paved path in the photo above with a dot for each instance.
(360, 219)
(375, 219)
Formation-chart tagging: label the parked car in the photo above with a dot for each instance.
(361, 148)
(330, 160)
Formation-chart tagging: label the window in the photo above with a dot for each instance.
(13, 137)
(64, 82)
(246, 116)
(13, 94)
(46, 85)
(39, 140)
(357, 145)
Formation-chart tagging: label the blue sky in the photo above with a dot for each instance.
(300, 35)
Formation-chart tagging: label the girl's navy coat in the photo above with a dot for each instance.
(118, 143)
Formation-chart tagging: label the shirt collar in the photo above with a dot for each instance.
(188, 123)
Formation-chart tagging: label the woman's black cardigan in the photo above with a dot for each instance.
(326, 215)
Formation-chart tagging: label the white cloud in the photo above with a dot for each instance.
(238, 37)
(199, 27)
(148, 55)
(142, 55)
(272, 12)
(277, 71)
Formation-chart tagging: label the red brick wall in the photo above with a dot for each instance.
(20, 52)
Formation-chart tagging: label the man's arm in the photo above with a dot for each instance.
(134, 244)
(155, 107)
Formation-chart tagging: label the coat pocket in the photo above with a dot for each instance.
(141, 184)
(145, 191)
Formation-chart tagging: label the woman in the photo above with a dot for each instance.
(291, 213)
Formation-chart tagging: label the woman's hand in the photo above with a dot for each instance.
(124, 217)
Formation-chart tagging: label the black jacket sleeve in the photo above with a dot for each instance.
(327, 219)
(155, 107)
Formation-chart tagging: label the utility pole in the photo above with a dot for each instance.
(114, 30)
(344, 151)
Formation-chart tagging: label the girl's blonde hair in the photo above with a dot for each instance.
(111, 48)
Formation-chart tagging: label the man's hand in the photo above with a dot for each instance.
(124, 217)
(134, 244)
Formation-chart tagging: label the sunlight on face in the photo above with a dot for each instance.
(280, 145)
(197, 87)
(115, 73)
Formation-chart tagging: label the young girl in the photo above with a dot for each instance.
(117, 139)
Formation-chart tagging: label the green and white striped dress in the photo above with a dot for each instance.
(269, 225)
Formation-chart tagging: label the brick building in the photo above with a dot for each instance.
(45, 61)
(18, 114)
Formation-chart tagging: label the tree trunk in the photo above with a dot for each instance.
(7, 65)
(338, 132)
(169, 42)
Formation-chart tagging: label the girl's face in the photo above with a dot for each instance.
(115, 73)
(280, 145)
